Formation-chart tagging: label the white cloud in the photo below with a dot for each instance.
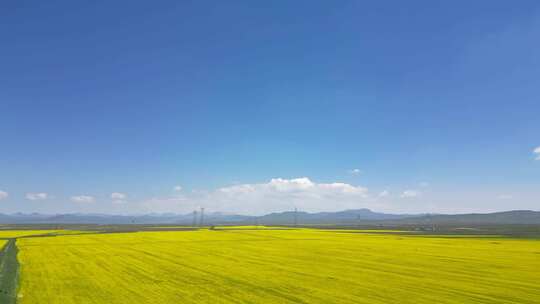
(118, 198)
(537, 152)
(384, 193)
(276, 195)
(177, 188)
(82, 199)
(3, 195)
(410, 193)
(355, 171)
(37, 196)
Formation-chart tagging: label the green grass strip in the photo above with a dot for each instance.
(9, 273)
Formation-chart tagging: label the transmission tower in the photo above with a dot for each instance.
(295, 217)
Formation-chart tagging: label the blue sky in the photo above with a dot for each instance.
(257, 107)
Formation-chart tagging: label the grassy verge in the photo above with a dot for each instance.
(9, 272)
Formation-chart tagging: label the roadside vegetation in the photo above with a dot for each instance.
(9, 271)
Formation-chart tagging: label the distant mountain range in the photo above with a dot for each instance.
(346, 217)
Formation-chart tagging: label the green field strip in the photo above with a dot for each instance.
(9, 273)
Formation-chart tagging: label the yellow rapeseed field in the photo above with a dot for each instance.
(276, 266)
(19, 233)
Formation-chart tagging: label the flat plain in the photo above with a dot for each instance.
(277, 266)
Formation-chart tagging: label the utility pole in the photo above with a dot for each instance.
(431, 222)
(295, 217)
(194, 218)
(202, 217)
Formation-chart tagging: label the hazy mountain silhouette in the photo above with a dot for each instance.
(346, 217)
